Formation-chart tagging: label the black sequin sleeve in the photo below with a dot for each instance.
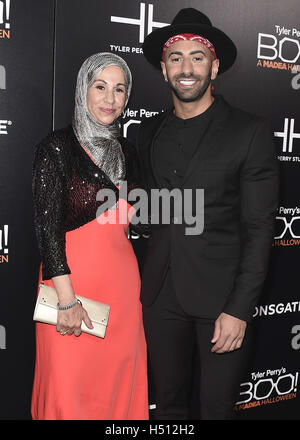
(49, 208)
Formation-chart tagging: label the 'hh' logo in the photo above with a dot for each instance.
(141, 21)
(288, 134)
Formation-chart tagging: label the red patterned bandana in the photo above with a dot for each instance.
(189, 37)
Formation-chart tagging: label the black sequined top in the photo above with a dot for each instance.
(65, 184)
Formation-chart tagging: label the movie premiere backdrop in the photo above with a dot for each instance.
(43, 44)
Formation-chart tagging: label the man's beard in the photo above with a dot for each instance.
(197, 93)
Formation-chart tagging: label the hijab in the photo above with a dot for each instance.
(100, 141)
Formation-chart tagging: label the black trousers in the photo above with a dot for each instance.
(172, 339)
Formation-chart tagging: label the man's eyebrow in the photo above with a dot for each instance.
(197, 51)
(175, 53)
(191, 53)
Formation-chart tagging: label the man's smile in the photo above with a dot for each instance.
(187, 82)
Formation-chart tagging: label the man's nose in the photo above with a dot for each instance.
(187, 67)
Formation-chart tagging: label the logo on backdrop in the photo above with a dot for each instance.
(4, 125)
(5, 19)
(295, 342)
(4, 244)
(287, 227)
(279, 50)
(134, 117)
(267, 387)
(277, 309)
(290, 141)
(145, 24)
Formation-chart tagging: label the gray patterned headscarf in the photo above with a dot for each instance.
(100, 140)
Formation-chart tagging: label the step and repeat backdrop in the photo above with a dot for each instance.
(43, 45)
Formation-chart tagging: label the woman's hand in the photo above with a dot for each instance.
(69, 321)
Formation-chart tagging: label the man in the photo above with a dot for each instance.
(199, 290)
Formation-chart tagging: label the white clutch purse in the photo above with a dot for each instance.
(46, 311)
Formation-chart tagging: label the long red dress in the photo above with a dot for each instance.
(88, 377)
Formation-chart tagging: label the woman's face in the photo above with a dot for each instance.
(107, 96)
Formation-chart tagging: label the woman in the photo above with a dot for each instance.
(77, 375)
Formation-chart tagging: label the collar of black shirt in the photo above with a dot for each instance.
(196, 119)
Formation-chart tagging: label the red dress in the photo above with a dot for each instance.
(88, 377)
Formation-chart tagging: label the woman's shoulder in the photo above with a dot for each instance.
(56, 142)
(58, 136)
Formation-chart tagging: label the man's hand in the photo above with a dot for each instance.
(229, 333)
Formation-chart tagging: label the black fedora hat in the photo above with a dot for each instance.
(190, 20)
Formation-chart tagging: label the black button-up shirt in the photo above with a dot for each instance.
(176, 144)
